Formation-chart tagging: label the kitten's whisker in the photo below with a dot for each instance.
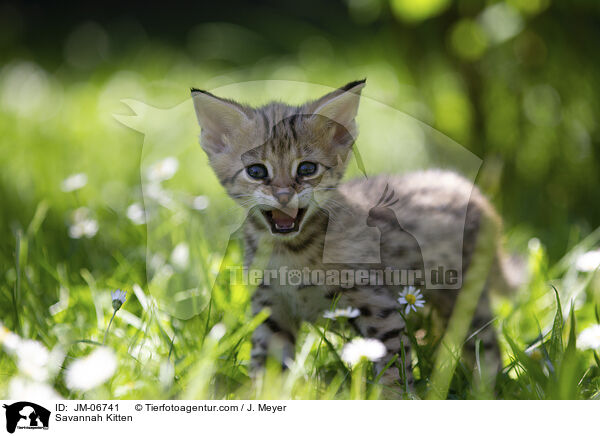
(332, 213)
(241, 205)
(323, 211)
(340, 206)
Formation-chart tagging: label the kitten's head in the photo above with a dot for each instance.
(275, 160)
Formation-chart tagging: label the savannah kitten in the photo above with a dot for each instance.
(283, 164)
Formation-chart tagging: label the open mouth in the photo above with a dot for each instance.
(287, 222)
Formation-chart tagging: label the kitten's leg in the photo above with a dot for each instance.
(379, 318)
(269, 339)
(482, 329)
(275, 336)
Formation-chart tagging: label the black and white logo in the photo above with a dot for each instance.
(26, 415)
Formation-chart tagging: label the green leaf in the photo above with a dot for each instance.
(424, 352)
(385, 368)
(531, 367)
(359, 161)
(597, 358)
(555, 349)
(569, 371)
(403, 358)
(340, 364)
(571, 345)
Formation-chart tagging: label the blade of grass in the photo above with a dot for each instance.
(339, 361)
(473, 285)
(17, 289)
(386, 367)
(527, 363)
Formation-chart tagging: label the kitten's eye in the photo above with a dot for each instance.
(306, 169)
(257, 171)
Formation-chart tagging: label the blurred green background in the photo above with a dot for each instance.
(516, 82)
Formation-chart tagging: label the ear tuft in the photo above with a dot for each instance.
(195, 91)
(351, 85)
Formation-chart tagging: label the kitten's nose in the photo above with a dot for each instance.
(283, 195)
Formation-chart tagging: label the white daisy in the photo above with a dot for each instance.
(82, 224)
(162, 170)
(118, 298)
(589, 261)
(534, 244)
(217, 332)
(144, 351)
(589, 338)
(535, 353)
(33, 360)
(91, 371)
(200, 202)
(166, 374)
(136, 214)
(348, 312)
(180, 257)
(412, 298)
(156, 192)
(355, 350)
(74, 182)
(9, 340)
(20, 387)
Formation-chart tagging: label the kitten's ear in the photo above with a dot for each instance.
(218, 118)
(340, 106)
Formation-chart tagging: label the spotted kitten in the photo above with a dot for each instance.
(284, 164)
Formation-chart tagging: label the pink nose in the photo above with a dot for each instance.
(283, 195)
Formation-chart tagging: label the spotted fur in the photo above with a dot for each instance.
(440, 207)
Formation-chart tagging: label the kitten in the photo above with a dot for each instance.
(284, 164)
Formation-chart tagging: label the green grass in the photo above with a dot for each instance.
(160, 356)
(56, 290)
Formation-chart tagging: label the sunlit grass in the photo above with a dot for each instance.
(56, 283)
(160, 356)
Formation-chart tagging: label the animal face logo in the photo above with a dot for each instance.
(26, 415)
(390, 142)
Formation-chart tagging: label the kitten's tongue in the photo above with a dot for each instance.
(284, 220)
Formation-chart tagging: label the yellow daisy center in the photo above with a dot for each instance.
(410, 299)
(536, 354)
